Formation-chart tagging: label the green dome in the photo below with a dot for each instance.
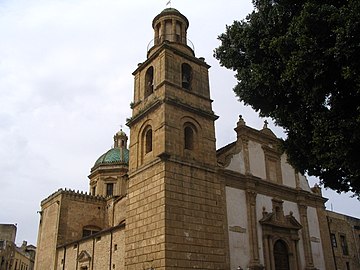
(114, 155)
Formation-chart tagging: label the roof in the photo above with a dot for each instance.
(170, 11)
(114, 155)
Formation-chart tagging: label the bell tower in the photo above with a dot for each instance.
(175, 209)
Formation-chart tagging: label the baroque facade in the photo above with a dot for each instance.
(172, 201)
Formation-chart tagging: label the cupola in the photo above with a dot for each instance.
(170, 26)
(108, 176)
(119, 154)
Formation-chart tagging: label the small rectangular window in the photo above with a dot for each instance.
(109, 189)
(344, 246)
(333, 240)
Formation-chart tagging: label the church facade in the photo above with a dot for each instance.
(169, 200)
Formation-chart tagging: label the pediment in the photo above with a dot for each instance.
(286, 222)
(83, 257)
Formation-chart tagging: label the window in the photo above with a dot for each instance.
(186, 76)
(188, 138)
(344, 246)
(149, 81)
(86, 232)
(109, 189)
(148, 141)
(93, 190)
(333, 240)
(347, 266)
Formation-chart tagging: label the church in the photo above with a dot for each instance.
(166, 198)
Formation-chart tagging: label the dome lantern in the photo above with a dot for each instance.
(119, 154)
(171, 26)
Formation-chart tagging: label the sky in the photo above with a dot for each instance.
(66, 85)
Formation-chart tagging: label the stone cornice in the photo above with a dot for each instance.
(111, 168)
(178, 103)
(271, 189)
(144, 112)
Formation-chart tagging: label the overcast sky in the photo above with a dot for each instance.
(66, 86)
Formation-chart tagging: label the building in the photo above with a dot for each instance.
(172, 201)
(11, 256)
(345, 240)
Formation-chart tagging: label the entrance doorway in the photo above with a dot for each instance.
(281, 255)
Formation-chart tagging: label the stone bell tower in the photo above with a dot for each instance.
(175, 208)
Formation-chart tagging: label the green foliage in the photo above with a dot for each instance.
(298, 62)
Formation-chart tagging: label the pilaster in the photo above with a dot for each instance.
(254, 263)
(309, 263)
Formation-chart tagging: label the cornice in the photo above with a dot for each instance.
(271, 189)
(166, 45)
(184, 106)
(151, 107)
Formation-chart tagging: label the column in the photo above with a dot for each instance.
(267, 253)
(173, 34)
(162, 28)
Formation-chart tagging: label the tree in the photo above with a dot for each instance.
(298, 62)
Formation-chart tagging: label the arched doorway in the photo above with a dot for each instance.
(281, 256)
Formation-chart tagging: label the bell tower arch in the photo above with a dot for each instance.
(175, 212)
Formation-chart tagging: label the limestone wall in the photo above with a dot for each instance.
(104, 250)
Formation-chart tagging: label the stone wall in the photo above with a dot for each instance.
(345, 238)
(104, 250)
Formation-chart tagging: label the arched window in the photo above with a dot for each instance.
(186, 76)
(149, 81)
(188, 138)
(281, 255)
(148, 141)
